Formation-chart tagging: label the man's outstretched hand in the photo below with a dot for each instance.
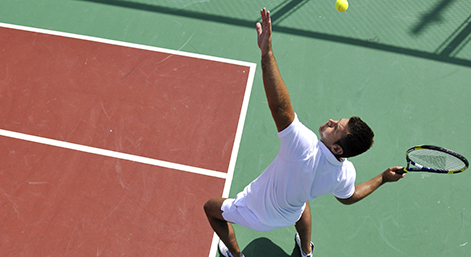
(390, 174)
(264, 32)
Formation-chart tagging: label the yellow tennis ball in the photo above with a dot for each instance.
(341, 5)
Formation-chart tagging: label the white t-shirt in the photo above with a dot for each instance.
(303, 170)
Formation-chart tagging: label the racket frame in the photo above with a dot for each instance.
(419, 167)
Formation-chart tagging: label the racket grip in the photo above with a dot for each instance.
(400, 171)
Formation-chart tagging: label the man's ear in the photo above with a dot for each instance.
(337, 149)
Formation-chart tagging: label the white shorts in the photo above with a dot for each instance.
(243, 216)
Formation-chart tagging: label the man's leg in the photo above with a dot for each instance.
(223, 229)
(303, 226)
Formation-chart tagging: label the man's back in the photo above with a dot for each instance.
(303, 170)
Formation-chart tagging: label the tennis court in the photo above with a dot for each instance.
(119, 119)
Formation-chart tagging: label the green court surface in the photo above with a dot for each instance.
(402, 66)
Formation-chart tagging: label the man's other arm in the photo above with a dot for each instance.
(364, 189)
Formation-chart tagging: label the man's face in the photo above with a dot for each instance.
(332, 131)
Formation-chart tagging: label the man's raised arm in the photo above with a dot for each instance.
(275, 89)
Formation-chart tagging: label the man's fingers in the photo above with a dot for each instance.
(265, 15)
(396, 175)
(390, 174)
(265, 21)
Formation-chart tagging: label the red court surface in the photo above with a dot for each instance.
(182, 110)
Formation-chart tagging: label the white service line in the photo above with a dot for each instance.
(113, 154)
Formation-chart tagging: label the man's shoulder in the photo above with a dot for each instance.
(298, 128)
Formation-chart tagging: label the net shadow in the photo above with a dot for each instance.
(282, 11)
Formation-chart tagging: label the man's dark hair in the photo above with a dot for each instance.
(358, 140)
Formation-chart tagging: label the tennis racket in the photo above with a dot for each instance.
(436, 159)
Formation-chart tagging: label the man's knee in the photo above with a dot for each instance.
(208, 206)
(212, 207)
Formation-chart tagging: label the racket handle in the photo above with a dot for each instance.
(401, 171)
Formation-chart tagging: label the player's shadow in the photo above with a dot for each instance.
(264, 247)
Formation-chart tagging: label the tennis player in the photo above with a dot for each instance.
(305, 168)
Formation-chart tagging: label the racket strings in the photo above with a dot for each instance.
(436, 159)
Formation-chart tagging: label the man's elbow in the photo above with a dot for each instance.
(348, 201)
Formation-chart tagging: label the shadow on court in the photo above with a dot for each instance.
(264, 247)
(434, 16)
(280, 12)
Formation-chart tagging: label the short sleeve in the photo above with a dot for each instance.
(347, 188)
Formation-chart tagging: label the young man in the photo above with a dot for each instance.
(305, 167)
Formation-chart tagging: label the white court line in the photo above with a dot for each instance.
(126, 44)
(240, 128)
(113, 154)
(235, 150)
